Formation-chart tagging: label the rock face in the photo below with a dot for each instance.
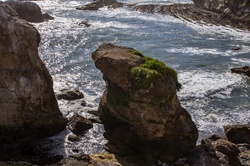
(219, 12)
(28, 105)
(28, 11)
(238, 133)
(242, 70)
(140, 110)
(235, 7)
(98, 4)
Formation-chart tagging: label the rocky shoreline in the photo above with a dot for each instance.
(142, 116)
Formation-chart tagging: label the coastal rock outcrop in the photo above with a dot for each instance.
(99, 4)
(234, 7)
(29, 109)
(219, 12)
(140, 109)
(242, 70)
(28, 11)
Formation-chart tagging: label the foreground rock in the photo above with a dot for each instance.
(234, 13)
(140, 110)
(29, 109)
(242, 70)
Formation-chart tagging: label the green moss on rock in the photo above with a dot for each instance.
(138, 53)
(142, 77)
(144, 74)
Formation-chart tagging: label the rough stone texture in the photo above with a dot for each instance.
(199, 157)
(242, 70)
(245, 158)
(69, 94)
(97, 4)
(28, 105)
(225, 147)
(79, 124)
(28, 11)
(147, 120)
(191, 12)
(238, 133)
(235, 7)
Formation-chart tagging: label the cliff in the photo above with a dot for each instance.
(29, 109)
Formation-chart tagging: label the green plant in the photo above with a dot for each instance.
(143, 75)
(138, 53)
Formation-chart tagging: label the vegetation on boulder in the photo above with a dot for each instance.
(143, 75)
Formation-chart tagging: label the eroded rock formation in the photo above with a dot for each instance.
(28, 11)
(219, 12)
(29, 109)
(140, 110)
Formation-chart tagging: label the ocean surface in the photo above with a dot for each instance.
(201, 54)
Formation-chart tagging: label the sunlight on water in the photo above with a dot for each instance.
(201, 54)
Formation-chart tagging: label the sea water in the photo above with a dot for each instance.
(201, 54)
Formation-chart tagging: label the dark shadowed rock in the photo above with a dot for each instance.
(79, 124)
(97, 4)
(29, 109)
(28, 11)
(200, 157)
(69, 94)
(140, 110)
(242, 70)
(46, 16)
(238, 133)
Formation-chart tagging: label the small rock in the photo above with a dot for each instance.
(225, 147)
(73, 138)
(70, 94)
(242, 70)
(75, 150)
(245, 158)
(79, 124)
(46, 16)
(238, 133)
(84, 23)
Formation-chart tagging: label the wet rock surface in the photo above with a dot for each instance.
(79, 124)
(242, 70)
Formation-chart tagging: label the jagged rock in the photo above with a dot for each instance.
(84, 23)
(97, 4)
(29, 109)
(242, 70)
(199, 157)
(245, 158)
(225, 147)
(140, 110)
(238, 133)
(79, 124)
(73, 138)
(69, 94)
(235, 7)
(46, 16)
(28, 11)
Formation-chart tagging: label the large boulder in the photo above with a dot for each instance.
(28, 11)
(140, 109)
(29, 109)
